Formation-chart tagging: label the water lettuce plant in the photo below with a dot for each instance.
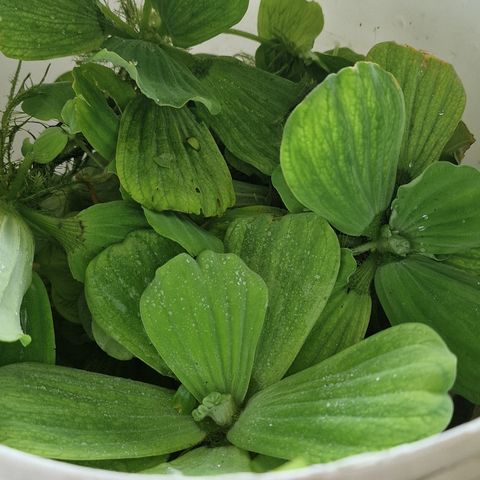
(211, 264)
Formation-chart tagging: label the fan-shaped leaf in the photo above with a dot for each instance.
(419, 289)
(341, 145)
(435, 100)
(159, 76)
(71, 414)
(205, 318)
(47, 100)
(114, 282)
(43, 29)
(298, 256)
(190, 22)
(167, 160)
(387, 390)
(434, 221)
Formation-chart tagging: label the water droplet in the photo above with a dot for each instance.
(421, 228)
(425, 217)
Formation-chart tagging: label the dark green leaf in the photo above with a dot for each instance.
(288, 198)
(190, 22)
(298, 256)
(387, 390)
(254, 107)
(128, 465)
(341, 145)
(296, 23)
(438, 211)
(49, 145)
(251, 194)
(419, 289)
(180, 229)
(36, 316)
(109, 345)
(206, 461)
(205, 318)
(43, 29)
(161, 169)
(159, 76)
(458, 145)
(71, 414)
(341, 324)
(46, 101)
(114, 283)
(435, 101)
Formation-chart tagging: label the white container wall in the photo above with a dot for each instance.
(446, 28)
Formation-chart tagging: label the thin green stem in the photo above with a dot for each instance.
(147, 11)
(18, 182)
(366, 247)
(248, 35)
(80, 144)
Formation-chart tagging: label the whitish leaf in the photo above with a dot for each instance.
(71, 414)
(342, 323)
(254, 107)
(36, 316)
(438, 211)
(43, 29)
(92, 230)
(180, 229)
(114, 282)
(159, 76)
(298, 256)
(190, 22)
(419, 289)
(167, 160)
(387, 390)
(341, 145)
(296, 23)
(205, 318)
(206, 461)
(47, 100)
(16, 259)
(434, 98)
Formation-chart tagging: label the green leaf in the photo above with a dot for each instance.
(47, 100)
(387, 390)
(438, 211)
(180, 229)
(93, 115)
(458, 145)
(434, 98)
(69, 414)
(341, 145)
(254, 107)
(189, 22)
(206, 461)
(297, 23)
(468, 261)
(49, 145)
(16, 259)
(205, 318)
(251, 194)
(109, 345)
(288, 198)
(128, 465)
(36, 315)
(43, 29)
(342, 323)
(158, 74)
(298, 256)
(167, 160)
(447, 299)
(85, 235)
(114, 283)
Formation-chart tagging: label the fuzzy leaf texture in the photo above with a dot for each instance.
(434, 98)
(114, 283)
(341, 145)
(299, 280)
(205, 318)
(43, 29)
(389, 389)
(68, 414)
(444, 297)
